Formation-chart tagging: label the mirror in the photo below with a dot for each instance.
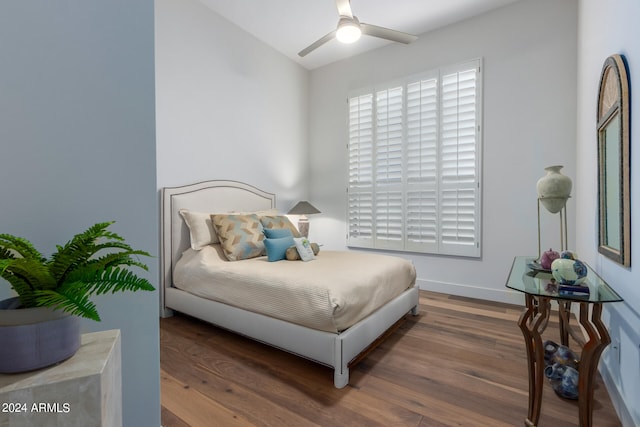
(614, 231)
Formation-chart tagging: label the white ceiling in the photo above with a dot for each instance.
(291, 25)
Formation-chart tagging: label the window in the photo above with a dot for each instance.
(414, 163)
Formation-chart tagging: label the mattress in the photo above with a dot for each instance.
(330, 293)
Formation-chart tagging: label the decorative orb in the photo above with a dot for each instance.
(569, 271)
(568, 255)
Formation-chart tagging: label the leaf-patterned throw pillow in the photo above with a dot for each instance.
(279, 221)
(241, 236)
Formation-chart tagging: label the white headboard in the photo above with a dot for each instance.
(208, 196)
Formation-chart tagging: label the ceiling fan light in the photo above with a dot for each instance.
(348, 31)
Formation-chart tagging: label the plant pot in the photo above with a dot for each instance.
(34, 338)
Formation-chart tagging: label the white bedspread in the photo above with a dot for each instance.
(330, 293)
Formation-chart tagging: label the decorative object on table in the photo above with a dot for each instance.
(551, 287)
(614, 162)
(573, 291)
(568, 255)
(561, 368)
(548, 257)
(303, 208)
(536, 267)
(40, 326)
(554, 189)
(569, 271)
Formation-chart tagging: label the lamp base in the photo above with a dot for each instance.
(303, 227)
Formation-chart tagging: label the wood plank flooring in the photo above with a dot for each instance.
(461, 362)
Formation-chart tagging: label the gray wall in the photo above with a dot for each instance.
(228, 106)
(77, 137)
(606, 28)
(529, 55)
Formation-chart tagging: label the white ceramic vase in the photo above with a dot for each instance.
(554, 189)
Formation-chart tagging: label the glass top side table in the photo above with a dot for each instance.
(540, 289)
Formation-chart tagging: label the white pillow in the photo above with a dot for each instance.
(200, 228)
(304, 248)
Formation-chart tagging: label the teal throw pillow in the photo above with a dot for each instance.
(277, 233)
(277, 248)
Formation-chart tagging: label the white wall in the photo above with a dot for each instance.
(77, 133)
(606, 28)
(228, 106)
(529, 54)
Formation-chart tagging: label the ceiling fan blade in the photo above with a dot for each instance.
(387, 34)
(313, 46)
(344, 8)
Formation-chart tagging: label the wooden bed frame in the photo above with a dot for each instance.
(336, 350)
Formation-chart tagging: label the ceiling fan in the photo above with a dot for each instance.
(349, 30)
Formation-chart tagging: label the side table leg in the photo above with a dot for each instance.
(598, 340)
(532, 322)
(564, 311)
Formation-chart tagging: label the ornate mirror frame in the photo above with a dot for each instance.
(614, 216)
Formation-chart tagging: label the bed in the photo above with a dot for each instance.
(331, 335)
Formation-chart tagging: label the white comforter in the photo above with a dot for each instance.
(330, 293)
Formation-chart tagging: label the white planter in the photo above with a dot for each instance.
(34, 338)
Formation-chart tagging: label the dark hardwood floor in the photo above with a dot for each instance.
(461, 362)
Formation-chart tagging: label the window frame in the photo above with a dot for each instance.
(364, 224)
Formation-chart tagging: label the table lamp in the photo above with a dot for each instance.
(303, 208)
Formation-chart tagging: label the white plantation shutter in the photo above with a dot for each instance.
(422, 221)
(414, 164)
(388, 220)
(361, 170)
(388, 169)
(361, 218)
(422, 165)
(389, 124)
(459, 180)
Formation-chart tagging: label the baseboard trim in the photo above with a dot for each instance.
(505, 295)
(616, 398)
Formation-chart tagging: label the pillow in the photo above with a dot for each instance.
(241, 236)
(304, 248)
(279, 221)
(200, 227)
(272, 211)
(277, 248)
(276, 233)
(292, 252)
(201, 231)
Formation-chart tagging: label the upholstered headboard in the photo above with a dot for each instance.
(207, 197)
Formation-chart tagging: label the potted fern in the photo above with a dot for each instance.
(40, 326)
